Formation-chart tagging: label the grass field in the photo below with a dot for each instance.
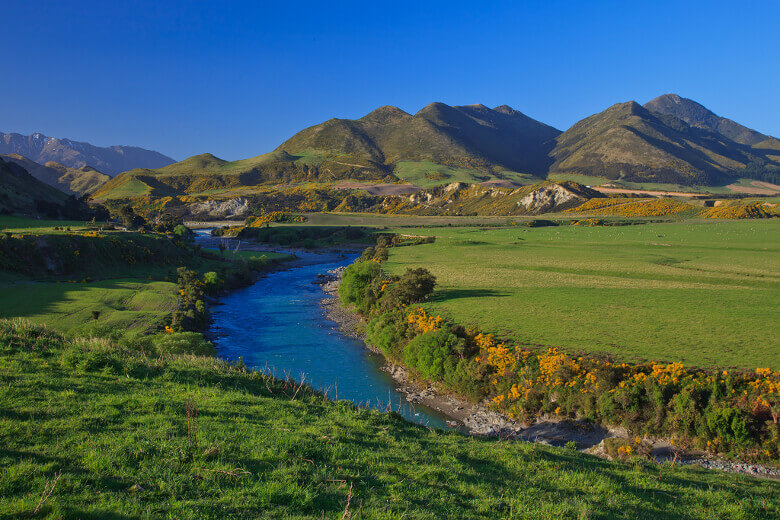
(653, 186)
(246, 255)
(10, 224)
(394, 221)
(427, 174)
(707, 294)
(113, 428)
(130, 305)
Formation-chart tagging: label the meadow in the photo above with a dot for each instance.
(125, 435)
(704, 293)
(132, 305)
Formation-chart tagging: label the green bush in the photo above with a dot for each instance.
(356, 281)
(386, 332)
(212, 282)
(730, 425)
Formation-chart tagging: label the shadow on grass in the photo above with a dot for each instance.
(454, 294)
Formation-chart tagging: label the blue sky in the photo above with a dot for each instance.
(237, 78)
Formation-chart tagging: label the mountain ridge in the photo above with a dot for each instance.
(697, 115)
(76, 181)
(110, 160)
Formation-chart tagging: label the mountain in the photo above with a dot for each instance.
(73, 154)
(21, 193)
(438, 145)
(627, 141)
(471, 137)
(699, 116)
(78, 181)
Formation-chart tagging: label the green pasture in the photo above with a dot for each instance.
(127, 305)
(12, 224)
(593, 181)
(127, 435)
(427, 174)
(246, 255)
(705, 293)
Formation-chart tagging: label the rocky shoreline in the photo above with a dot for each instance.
(479, 419)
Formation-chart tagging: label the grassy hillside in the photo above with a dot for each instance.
(135, 306)
(60, 277)
(699, 116)
(473, 137)
(699, 293)
(126, 435)
(77, 181)
(204, 173)
(627, 141)
(21, 193)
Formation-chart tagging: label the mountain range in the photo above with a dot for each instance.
(668, 140)
(110, 160)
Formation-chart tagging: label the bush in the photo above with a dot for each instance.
(414, 286)
(356, 281)
(212, 282)
(729, 425)
(386, 332)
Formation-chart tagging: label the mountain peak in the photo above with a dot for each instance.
(504, 109)
(699, 116)
(384, 114)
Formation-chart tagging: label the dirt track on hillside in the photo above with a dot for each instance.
(378, 189)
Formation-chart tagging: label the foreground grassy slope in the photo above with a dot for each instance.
(114, 424)
(701, 293)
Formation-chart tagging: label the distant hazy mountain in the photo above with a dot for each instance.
(78, 181)
(73, 154)
(628, 141)
(699, 116)
(472, 136)
(22, 193)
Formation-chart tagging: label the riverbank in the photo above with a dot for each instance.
(479, 419)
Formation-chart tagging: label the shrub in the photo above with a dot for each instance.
(356, 281)
(212, 282)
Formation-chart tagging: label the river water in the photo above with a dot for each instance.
(277, 326)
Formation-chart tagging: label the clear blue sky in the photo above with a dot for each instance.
(237, 79)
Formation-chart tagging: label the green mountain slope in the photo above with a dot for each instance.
(21, 193)
(473, 136)
(78, 181)
(629, 142)
(699, 116)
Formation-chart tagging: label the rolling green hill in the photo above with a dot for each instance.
(78, 181)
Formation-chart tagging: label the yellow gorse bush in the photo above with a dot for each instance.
(422, 321)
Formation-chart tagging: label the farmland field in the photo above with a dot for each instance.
(706, 294)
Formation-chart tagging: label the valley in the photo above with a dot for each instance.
(587, 311)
